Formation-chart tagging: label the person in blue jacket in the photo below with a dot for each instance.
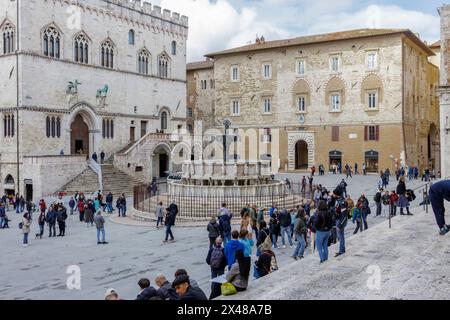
(439, 192)
(232, 247)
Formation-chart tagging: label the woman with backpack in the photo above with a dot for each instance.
(300, 232)
(402, 199)
(217, 261)
(25, 226)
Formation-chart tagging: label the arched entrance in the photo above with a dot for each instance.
(301, 155)
(161, 161)
(9, 185)
(79, 137)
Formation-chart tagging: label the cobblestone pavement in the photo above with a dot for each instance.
(134, 251)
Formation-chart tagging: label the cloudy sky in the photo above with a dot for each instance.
(220, 24)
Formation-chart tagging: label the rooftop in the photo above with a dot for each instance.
(208, 64)
(321, 38)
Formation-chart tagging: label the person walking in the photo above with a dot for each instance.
(300, 232)
(81, 208)
(170, 221)
(2, 214)
(26, 226)
(402, 199)
(159, 214)
(217, 261)
(323, 226)
(100, 226)
(213, 231)
(357, 216)
(71, 205)
(89, 213)
(109, 201)
(51, 221)
(102, 157)
(364, 168)
(365, 210)
(439, 192)
(274, 226)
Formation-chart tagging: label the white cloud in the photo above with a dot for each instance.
(218, 25)
(221, 24)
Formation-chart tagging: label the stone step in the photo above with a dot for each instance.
(410, 261)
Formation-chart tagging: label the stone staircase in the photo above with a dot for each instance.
(408, 261)
(86, 182)
(118, 182)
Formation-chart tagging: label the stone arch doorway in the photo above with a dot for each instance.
(79, 137)
(301, 155)
(161, 163)
(9, 185)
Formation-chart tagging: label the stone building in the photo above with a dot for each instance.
(358, 96)
(444, 90)
(78, 77)
(200, 94)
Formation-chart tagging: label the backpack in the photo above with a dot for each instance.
(21, 225)
(410, 195)
(216, 258)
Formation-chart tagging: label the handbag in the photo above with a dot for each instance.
(228, 289)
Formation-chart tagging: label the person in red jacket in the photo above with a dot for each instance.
(393, 202)
(80, 206)
(42, 206)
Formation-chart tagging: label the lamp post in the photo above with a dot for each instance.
(226, 124)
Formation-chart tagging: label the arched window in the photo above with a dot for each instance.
(47, 127)
(163, 66)
(143, 59)
(131, 37)
(9, 179)
(8, 125)
(58, 127)
(107, 54)
(164, 120)
(53, 127)
(52, 43)
(108, 129)
(8, 38)
(81, 49)
(174, 48)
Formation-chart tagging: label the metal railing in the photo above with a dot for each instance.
(97, 168)
(199, 207)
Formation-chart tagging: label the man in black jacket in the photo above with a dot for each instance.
(377, 199)
(185, 291)
(170, 221)
(147, 291)
(341, 219)
(165, 291)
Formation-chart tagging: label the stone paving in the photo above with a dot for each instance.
(135, 250)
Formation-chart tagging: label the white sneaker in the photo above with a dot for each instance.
(284, 247)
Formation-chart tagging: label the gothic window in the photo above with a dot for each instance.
(53, 127)
(163, 66)
(52, 43)
(8, 38)
(164, 120)
(108, 129)
(8, 125)
(107, 54)
(174, 48)
(131, 36)
(143, 60)
(81, 49)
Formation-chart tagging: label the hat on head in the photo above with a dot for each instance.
(110, 291)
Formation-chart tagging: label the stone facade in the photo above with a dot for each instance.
(330, 109)
(200, 94)
(138, 96)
